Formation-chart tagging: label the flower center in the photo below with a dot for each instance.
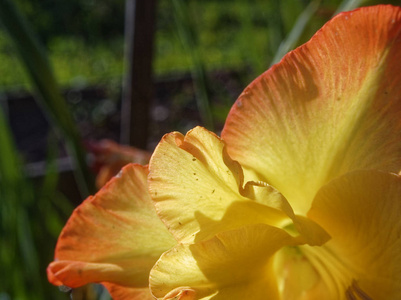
(306, 272)
(354, 292)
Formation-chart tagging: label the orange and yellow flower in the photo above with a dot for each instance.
(299, 199)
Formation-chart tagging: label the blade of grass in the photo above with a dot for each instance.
(38, 67)
(187, 35)
(54, 212)
(29, 226)
(17, 239)
(275, 29)
(346, 5)
(291, 40)
(8, 208)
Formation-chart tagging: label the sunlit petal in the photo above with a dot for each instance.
(361, 211)
(114, 236)
(195, 184)
(329, 107)
(233, 265)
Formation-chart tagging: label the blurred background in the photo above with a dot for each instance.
(73, 73)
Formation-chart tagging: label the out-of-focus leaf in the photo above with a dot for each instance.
(188, 38)
(291, 41)
(38, 67)
(8, 156)
(18, 251)
(51, 202)
(346, 5)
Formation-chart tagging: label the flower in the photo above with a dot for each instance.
(109, 157)
(299, 199)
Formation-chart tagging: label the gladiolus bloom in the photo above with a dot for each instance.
(110, 157)
(299, 199)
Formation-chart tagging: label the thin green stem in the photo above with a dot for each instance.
(300, 24)
(188, 37)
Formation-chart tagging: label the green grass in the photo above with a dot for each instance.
(74, 62)
(231, 35)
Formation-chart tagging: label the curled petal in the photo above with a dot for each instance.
(329, 107)
(181, 293)
(113, 237)
(193, 182)
(198, 189)
(310, 232)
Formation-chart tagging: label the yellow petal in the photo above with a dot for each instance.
(114, 236)
(329, 107)
(233, 265)
(197, 188)
(361, 211)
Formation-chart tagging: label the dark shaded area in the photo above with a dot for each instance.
(91, 20)
(138, 84)
(98, 114)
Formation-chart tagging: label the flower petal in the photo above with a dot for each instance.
(114, 236)
(194, 184)
(234, 264)
(311, 233)
(127, 293)
(331, 106)
(361, 211)
(109, 157)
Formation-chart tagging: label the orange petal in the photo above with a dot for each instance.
(361, 211)
(331, 106)
(126, 293)
(114, 236)
(110, 157)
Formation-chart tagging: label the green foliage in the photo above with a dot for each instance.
(77, 63)
(87, 19)
(37, 66)
(31, 219)
(234, 35)
(190, 42)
